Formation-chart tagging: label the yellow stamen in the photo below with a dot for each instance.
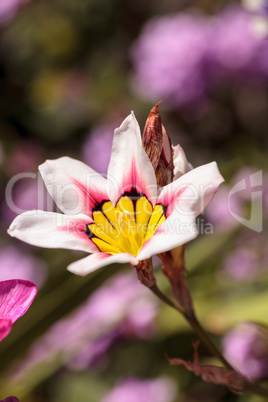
(126, 227)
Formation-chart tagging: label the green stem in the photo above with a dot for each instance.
(193, 322)
(155, 289)
(199, 330)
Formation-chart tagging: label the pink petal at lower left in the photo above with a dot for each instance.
(5, 328)
(16, 296)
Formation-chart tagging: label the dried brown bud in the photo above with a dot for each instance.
(213, 374)
(152, 136)
(157, 145)
(145, 273)
(165, 169)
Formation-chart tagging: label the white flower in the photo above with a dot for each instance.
(125, 218)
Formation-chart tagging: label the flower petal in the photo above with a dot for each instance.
(16, 296)
(181, 164)
(5, 328)
(174, 231)
(74, 186)
(192, 191)
(130, 169)
(95, 261)
(53, 230)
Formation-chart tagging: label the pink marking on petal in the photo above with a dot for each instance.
(77, 228)
(102, 256)
(5, 328)
(133, 180)
(16, 296)
(92, 196)
(169, 200)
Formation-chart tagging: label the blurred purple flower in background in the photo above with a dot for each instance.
(233, 45)
(10, 399)
(106, 314)
(16, 264)
(94, 355)
(97, 147)
(243, 263)
(218, 212)
(9, 9)
(180, 58)
(138, 390)
(246, 348)
(234, 200)
(249, 258)
(26, 193)
(259, 7)
(169, 58)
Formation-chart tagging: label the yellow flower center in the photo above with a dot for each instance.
(125, 227)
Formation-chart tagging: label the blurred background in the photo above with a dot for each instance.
(70, 72)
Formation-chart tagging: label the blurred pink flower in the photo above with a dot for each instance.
(243, 263)
(246, 348)
(256, 6)
(169, 59)
(229, 202)
(97, 148)
(10, 399)
(95, 354)
(181, 58)
(218, 212)
(247, 177)
(16, 264)
(16, 296)
(233, 46)
(26, 193)
(9, 9)
(96, 324)
(141, 390)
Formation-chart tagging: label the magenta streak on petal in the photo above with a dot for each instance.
(78, 228)
(169, 203)
(5, 328)
(91, 197)
(133, 180)
(102, 256)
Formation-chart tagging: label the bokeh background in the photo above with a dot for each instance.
(70, 72)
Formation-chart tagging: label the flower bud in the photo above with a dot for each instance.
(169, 164)
(157, 145)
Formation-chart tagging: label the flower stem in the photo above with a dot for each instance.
(194, 323)
(199, 330)
(155, 289)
